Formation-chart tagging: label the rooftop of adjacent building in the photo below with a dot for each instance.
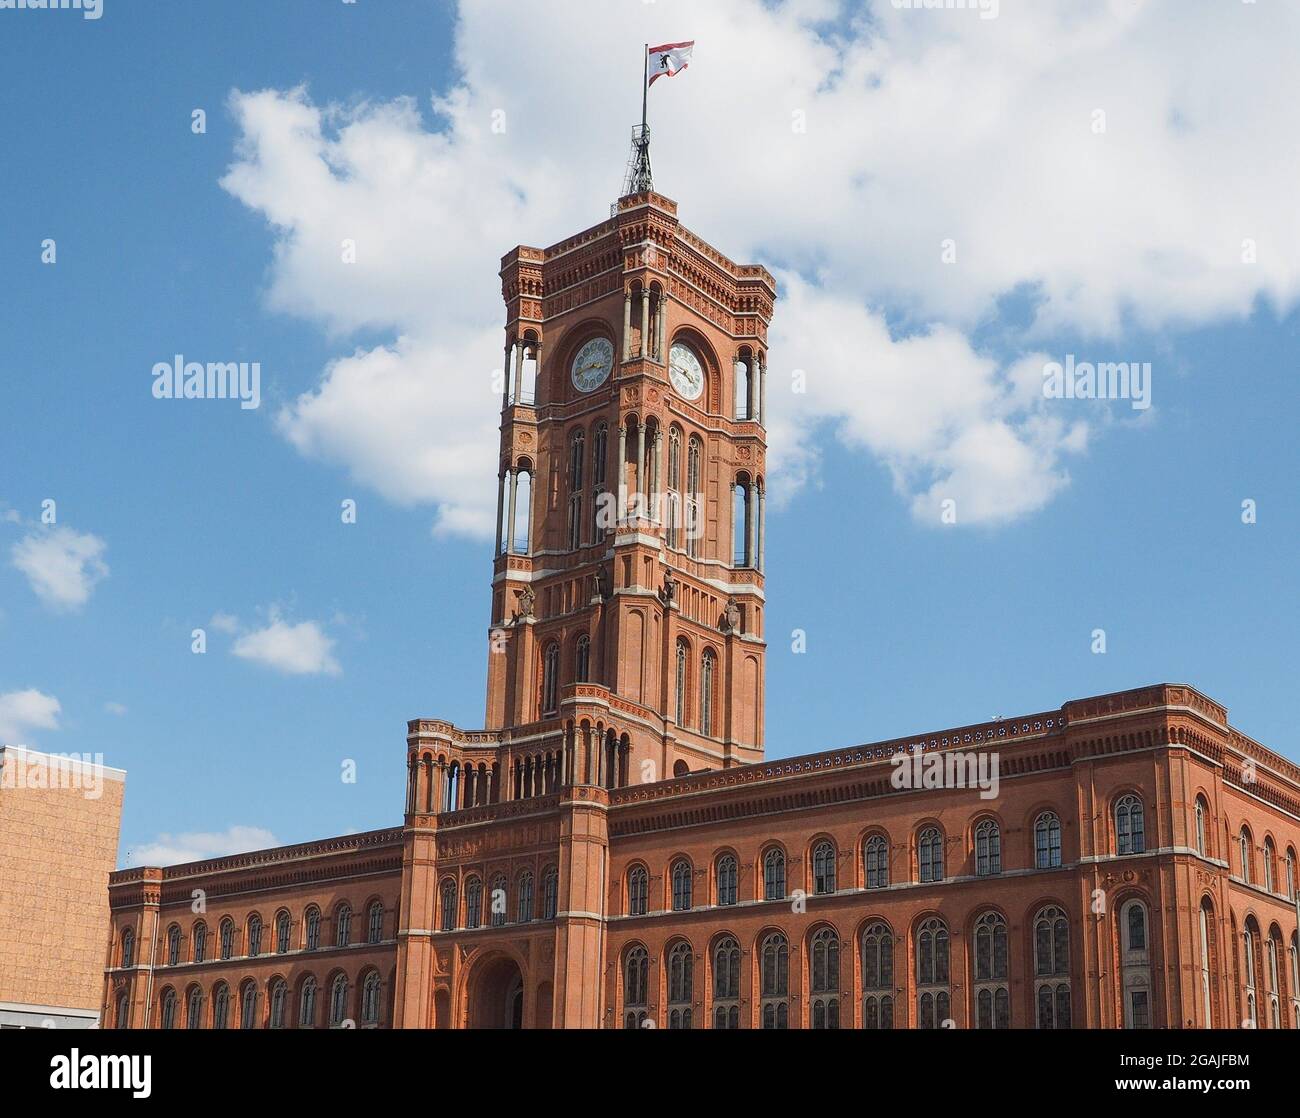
(70, 762)
(1093, 709)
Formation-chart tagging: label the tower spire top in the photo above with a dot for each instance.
(638, 177)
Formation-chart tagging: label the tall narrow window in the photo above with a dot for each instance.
(824, 980)
(221, 1006)
(282, 925)
(343, 926)
(375, 923)
(1248, 942)
(254, 935)
(674, 509)
(168, 1009)
(279, 995)
(774, 875)
(370, 1000)
(636, 966)
(774, 982)
(726, 984)
(227, 938)
(338, 1001)
(1244, 854)
(1200, 826)
(173, 945)
(680, 712)
(550, 893)
(930, 854)
(313, 929)
(498, 899)
(1052, 968)
(706, 693)
(1270, 855)
(473, 902)
(194, 1009)
(1135, 965)
(1207, 967)
(876, 857)
(682, 880)
(934, 999)
(988, 848)
(1290, 882)
(681, 983)
(726, 879)
(200, 952)
(128, 948)
(877, 977)
(694, 526)
(248, 1006)
(824, 868)
(582, 662)
(637, 891)
(1271, 977)
(599, 446)
(550, 678)
(577, 455)
(448, 905)
(524, 902)
(307, 1004)
(573, 527)
(992, 996)
(1130, 825)
(1047, 841)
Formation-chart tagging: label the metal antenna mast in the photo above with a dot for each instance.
(638, 178)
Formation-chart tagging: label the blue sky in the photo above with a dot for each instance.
(1072, 515)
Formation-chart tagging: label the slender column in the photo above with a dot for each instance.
(438, 767)
(519, 372)
(430, 787)
(505, 379)
(751, 526)
(645, 322)
(412, 790)
(762, 527)
(761, 366)
(600, 761)
(662, 330)
(510, 522)
(622, 470)
(640, 460)
(751, 389)
(501, 496)
(588, 759)
(656, 458)
(627, 324)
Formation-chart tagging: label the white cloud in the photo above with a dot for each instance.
(921, 126)
(24, 711)
(169, 850)
(62, 566)
(224, 623)
(301, 649)
(115, 708)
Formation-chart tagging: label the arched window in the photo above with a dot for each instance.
(128, 948)
(338, 1001)
(1135, 965)
(636, 966)
(1270, 855)
(599, 445)
(992, 996)
(726, 879)
(1244, 853)
(681, 985)
(1130, 825)
(824, 868)
(550, 893)
(227, 938)
(1207, 963)
(279, 996)
(930, 854)
(343, 925)
(934, 1002)
(550, 678)
(680, 697)
(637, 891)
(824, 979)
(706, 692)
(173, 945)
(1248, 946)
(1047, 841)
(876, 859)
(473, 902)
(122, 1014)
(573, 529)
(313, 928)
(694, 522)
(1294, 952)
(1201, 813)
(248, 1005)
(524, 903)
(254, 935)
(168, 1014)
(1290, 883)
(370, 1000)
(582, 661)
(1052, 968)
(988, 848)
(375, 923)
(221, 1006)
(877, 977)
(1271, 977)
(200, 951)
(194, 1009)
(307, 1004)
(577, 456)
(774, 874)
(726, 984)
(499, 899)
(682, 881)
(774, 984)
(282, 928)
(674, 509)
(448, 905)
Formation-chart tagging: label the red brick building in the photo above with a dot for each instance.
(612, 851)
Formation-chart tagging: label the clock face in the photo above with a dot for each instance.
(686, 372)
(592, 364)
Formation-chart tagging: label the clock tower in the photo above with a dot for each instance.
(627, 594)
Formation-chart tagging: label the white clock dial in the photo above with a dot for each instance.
(592, 364)
(686, 372)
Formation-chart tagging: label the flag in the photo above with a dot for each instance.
(667, 60)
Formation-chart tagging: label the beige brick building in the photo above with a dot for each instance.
(59, 819)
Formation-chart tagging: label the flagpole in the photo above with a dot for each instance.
(645, 79)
